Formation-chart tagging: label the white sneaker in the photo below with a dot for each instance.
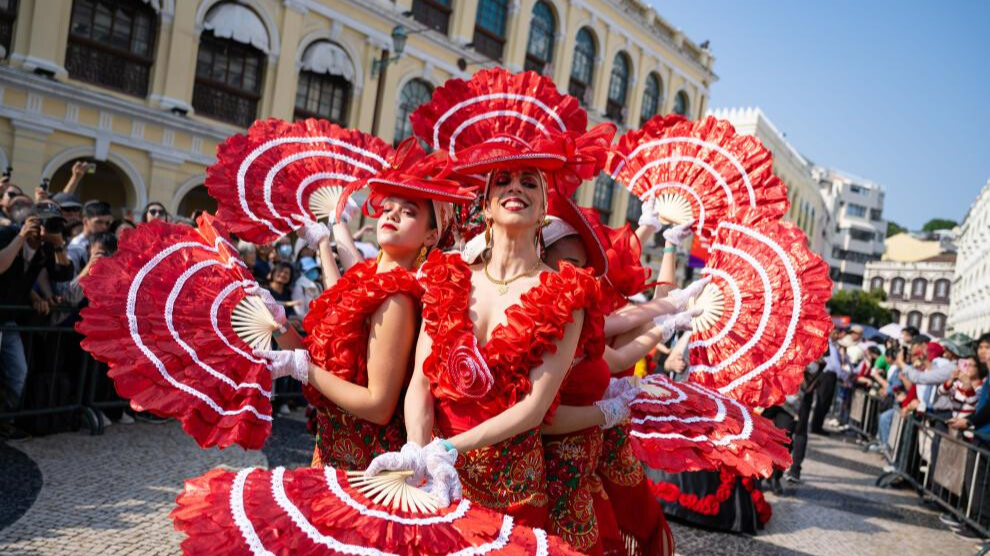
(104, 420)
(126, 419)
(284, 410)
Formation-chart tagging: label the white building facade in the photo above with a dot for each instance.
(808, 209)
(859, 228)
(918, 292)
(970, 309)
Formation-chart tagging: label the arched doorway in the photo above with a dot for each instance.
(197, 199)
(106, 183)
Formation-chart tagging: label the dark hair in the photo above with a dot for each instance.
(144, 213)
(107, 240)
(891, 354)
(280, 265)
(116, 224)
(910, 330)
(874, 350)
(96, 208)
(983, 339)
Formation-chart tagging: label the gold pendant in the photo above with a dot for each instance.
(502, 289)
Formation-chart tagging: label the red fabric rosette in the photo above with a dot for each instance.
(160, 315)
(698, 170)
(466, 369)
(316, 511)
(686, 427)
(774, 320)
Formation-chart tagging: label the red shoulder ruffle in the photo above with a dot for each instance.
(337, 322)
(532, 328)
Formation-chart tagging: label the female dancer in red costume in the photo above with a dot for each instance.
(362, 330)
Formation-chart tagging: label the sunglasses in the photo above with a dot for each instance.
(11, 193)
(157, 212)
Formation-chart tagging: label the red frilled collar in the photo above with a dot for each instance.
(568, 157)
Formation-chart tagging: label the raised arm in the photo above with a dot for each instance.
(419, 400)
(633, 316)
(349, 254)
(528, 413)
(389, 347)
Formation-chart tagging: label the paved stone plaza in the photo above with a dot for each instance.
(110, 495)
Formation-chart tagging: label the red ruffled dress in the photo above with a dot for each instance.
(338, 327)
(509, 477)
(580, 512)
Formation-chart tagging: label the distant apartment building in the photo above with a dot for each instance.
(859, 228)
(808, 209)
(970, 309)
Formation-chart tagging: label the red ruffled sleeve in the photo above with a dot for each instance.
(532, 328)
(337, 323)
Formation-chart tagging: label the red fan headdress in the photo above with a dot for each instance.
(697, 171)
(169, 313)
(498, 119)
(687, 427)
(764, 316)
(318, 511)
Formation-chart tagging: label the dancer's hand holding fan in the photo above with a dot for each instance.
(171, 314)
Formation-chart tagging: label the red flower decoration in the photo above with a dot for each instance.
(466, 370)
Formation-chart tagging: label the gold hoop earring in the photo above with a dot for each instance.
(378, 260)
(488, 233)
(421, 258)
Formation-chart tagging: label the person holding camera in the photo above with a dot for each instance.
(96, 220)
(33, 243)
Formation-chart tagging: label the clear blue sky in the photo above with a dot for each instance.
(895, 92)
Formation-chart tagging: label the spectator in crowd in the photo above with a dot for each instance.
(932, 365)
(262, 266)
(979, 420)
(118, 226)
(963, 388)
(154, 211)
(70, 204)
(283, 250)
(853, 337)
(813, 374)
(8, 192)
(825, 385)
(280, 282)
(34, 243)
(96, 219)
(908, 334)
(308, 286)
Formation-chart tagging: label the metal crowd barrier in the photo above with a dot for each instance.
(944, 468)
(864, 413)
(66, 389)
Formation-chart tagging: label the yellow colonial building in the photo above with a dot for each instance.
(148, 88)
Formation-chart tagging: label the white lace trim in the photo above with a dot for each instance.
(694, 141)
(132, 324)
(266, 146)
(700, 224)
(331, 476)
(542, 544)
(452, 145)
(241, 519)
(482, 98)
(720, 415)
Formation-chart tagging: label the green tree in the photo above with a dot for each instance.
(939, 224)
(893, 228)
(860, 306)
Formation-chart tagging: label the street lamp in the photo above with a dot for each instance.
(379, 69)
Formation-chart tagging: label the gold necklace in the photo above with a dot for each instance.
(502, 286)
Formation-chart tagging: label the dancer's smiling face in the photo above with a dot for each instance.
(516, 198)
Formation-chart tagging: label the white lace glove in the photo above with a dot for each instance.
(313, 233)
(444, 484)
(350, 211)
(290, 362)
(677, 234)
(677, 322)
(680, 297)
(277, 310)
(616, 386)
(648, 216)
(615, 410)
(410, 458)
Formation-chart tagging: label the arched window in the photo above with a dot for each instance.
(8, 17)
(539, 47)
(602, 199)
(914, 319)
(876, 283)
(897, 287)
(112, 44)
(942, 289)
(918, 287)
(325, 79)
(230, 66)
(936, 325)
(489, 27)
(682, 104)
(651, 98)
(413, 94)
(618, 89)
(435, 14)
(583, 67)
(196, 199)
(634, 210)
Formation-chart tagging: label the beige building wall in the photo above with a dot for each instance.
(906, 248)
(156, 148)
